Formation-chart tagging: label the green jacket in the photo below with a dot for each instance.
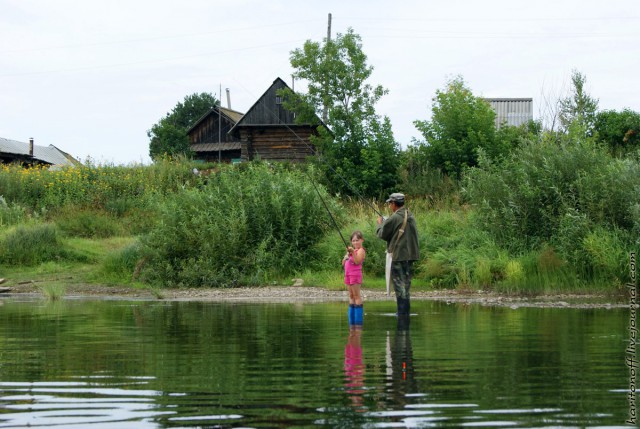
(407, 247)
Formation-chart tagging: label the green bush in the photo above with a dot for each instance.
(11, 214)
(32, 245)
(567, 195)
(523, 201)
(245, 226)
(87, 223)
(123, 266)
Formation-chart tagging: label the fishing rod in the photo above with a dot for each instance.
(321, 158)
(328, 211)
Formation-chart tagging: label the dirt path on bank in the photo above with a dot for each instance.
(293, 294)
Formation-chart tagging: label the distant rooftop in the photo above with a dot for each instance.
(512, 111)
(46, 154)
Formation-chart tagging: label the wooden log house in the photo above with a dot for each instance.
(210, 138)
(268, 131)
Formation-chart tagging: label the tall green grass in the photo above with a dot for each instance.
(32, 245)
(94, 186)
(558, 219)
(12, 214)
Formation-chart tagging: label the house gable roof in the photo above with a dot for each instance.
(268, 111)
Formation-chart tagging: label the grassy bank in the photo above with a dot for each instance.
(254, 224)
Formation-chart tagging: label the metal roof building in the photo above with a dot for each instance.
(29, 153)
(512, 111)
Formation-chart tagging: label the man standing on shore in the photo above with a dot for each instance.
(401, 234)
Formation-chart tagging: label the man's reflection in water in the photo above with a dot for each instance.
(400, 372)
(354, 368)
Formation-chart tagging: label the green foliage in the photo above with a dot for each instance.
(460, 124)
(169, 135)
(11, 214)
(558, 195)
(577, 112)
(360, 154)
(119, 189)
(511, 137)
(454, 252)
(122, 265)
(32, 245)
(620, 131)
(88, 223)
(245, 226)
(168, 140)
(419, 179)
(53, 291)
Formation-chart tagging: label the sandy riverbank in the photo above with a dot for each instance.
(284, 294)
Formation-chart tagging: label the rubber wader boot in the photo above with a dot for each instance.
(352, 314)
(404, 306)
(358, 315)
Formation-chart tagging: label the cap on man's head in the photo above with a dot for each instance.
(396, 198)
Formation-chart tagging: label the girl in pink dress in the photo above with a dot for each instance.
(352, 263)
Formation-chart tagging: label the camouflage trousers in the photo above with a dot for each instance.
(401, 273)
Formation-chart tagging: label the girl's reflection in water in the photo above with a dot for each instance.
(354, 368)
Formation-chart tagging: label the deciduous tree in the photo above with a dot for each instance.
(461, 123)
(359, 154)
(169, 135)
(578, 110)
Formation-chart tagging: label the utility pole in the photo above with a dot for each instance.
(325, 109)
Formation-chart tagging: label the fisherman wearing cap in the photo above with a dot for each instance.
(401, 234)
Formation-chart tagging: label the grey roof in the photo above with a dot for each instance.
(49, 154)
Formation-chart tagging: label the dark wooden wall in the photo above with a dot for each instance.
(207, 130)
(276, 143)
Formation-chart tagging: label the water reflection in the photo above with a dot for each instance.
(401, 378)
(354, 368)
(156, 365)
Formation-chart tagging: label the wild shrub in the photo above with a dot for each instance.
(87, 223)
(11, 214)
(245, 225)
(514, 271)
(122, 266)
(607, 252)
(419, 179)
(555, 194)
(31, 245)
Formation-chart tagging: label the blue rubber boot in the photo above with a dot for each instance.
(358, 318)
(352, 314)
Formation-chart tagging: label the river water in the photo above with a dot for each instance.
(154, 364)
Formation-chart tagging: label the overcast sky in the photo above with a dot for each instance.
(92, 76)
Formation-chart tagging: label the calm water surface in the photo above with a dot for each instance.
(141, 364)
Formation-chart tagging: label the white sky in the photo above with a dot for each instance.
(92, 76)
